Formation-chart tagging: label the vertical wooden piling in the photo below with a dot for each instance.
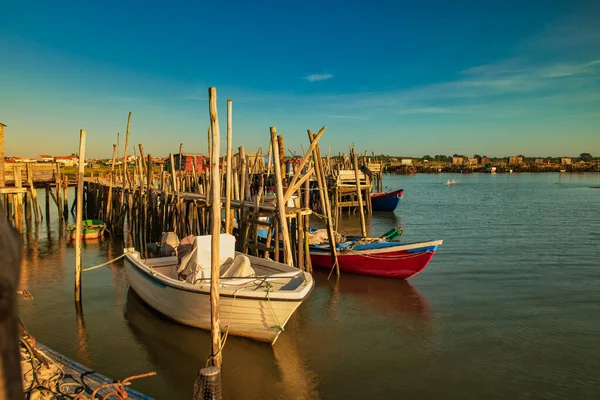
(110, 187)
(18, 203)
(363, 228)
(287, 250)
(215, 231)
(2, 183)
(34, 201)
(325, 202)
(228, 213)
(125, 158)
(78, 217)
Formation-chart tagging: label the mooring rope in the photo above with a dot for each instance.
(105, 263)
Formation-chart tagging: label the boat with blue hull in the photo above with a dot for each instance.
(386, 201)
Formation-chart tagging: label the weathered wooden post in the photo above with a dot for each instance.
(125, 159)
(215, 230)
(33, 193)
(363, 228)
(2, 183)
(287, 249)
(228, 213)
(325, 202)
(78, 217)
(110, 187)
(11, 387)
(18, 204)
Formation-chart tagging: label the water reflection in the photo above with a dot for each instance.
(377, 223)
(384, 297)
(251, 370)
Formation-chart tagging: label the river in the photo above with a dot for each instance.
(509, 306)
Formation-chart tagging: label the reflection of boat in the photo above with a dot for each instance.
(377, 257)
(250, 369)
(90, 229)
(386, 201)
(257, 296)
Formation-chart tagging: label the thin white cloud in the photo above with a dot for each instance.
(318, 77)
(427, 110)
(347, 116)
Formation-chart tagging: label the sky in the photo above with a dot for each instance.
(393, 77)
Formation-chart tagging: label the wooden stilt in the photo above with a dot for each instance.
(78, 217)
(228, 212)
(215, 329)
(287, 249)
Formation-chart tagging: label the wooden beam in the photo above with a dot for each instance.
(287, 250)
(79, 216)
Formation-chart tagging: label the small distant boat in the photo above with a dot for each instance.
(386, 201)
(257, 296)
(510, 171)
(563, 170)
(90, 229)
(451, 182)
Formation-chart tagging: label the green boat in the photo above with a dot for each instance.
(90, 229)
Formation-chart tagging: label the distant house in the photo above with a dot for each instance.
(486, 160)
(539, 161)
(407, 161)
(188, 161)
(458, 160)
(28, 160)
(46, 158)
(566, 161)
(473, 161)
(515, 160)
(67, 161)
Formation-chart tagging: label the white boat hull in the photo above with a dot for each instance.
(261, 317)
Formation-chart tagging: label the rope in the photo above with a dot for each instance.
(104, 263)
(278, 326)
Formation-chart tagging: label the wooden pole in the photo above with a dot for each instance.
(78, 217)
(228, 213)
(2, 183)
(215, 329)
(287, 250)
(110, 185)
(125, 157)
(325, 203)
(307, 155)
(11, 387)
(18, 205)
(363, 228)
(33, 193)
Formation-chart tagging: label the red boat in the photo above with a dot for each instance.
(377, 258)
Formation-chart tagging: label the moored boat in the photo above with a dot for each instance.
(90, 229)
(257, 296)
(386, 201)
(389, 259)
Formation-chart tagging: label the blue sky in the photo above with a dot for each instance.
(393, 77)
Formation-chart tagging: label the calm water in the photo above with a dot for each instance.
(508, 308)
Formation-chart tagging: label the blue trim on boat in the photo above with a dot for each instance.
(149, 278)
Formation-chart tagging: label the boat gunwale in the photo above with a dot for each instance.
(390, 249)
(162, 279)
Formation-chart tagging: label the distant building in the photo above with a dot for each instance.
(473, 161)
(407, 161)
(458, 160)
(515, 160)
(67, 161)
(187, 162)
(539, 161)
(486, 160)
(46, 158)
(566, 161)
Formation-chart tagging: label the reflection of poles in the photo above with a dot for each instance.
(82, 335)
(78, 233)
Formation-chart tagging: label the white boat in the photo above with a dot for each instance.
(257, 296)
(451, 182)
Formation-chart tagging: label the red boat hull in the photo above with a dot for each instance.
(394, 264)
